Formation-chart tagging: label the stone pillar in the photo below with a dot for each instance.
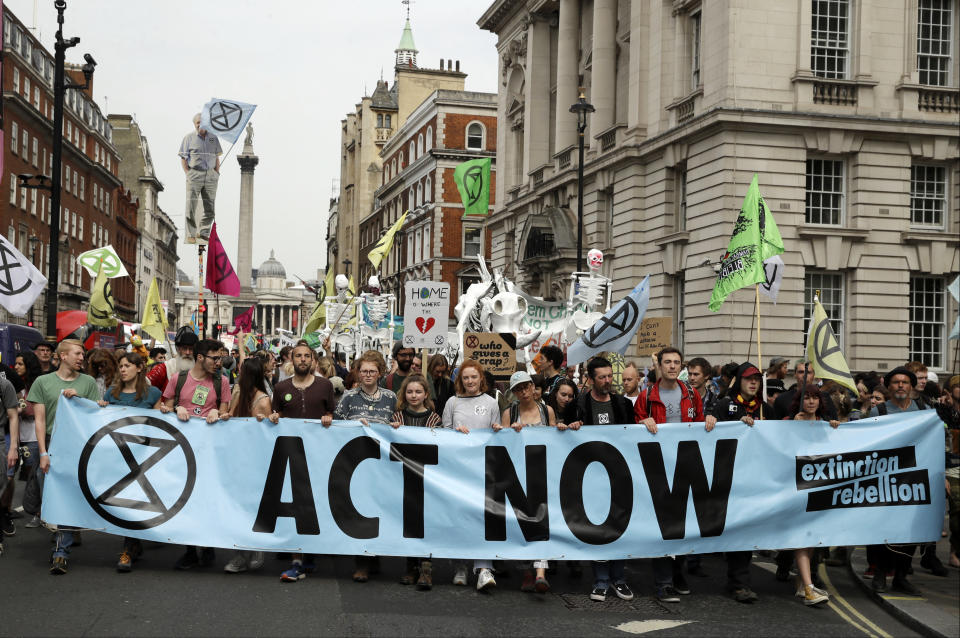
(568, 50)
(248, 163)
(537, 98)
(604, 76)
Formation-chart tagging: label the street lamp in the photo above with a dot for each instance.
(59, 88)
(581, 108)
(346, 264)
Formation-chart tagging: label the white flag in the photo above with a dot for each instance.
(105, 257)
(226, 118)
(773, 270)
(614, 330)
(954, 289)
(20, 281)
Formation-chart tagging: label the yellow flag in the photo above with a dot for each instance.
(100, 312)
(386, 242)
(317, 317)
(154, 321)
(823, 350)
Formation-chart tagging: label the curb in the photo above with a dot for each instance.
(916, 613)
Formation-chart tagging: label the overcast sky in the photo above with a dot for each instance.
(304, 63)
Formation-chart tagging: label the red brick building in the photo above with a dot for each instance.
(437, 241)
(90, 196)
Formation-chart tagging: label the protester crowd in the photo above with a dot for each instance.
(202, 379)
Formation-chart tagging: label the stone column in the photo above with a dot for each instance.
(604, 77)
(568, 49)
(248, 163)
(537, 98)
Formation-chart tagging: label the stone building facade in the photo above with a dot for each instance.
(437, 241)
(156, 252)
(90, 181)
(847, 110)
(365, 131)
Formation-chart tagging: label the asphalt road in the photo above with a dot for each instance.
(155, 600)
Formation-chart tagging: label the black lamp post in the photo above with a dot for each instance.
(581, 108)
(346, 264)
(59, 89)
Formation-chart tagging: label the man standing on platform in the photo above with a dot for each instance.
(200, 157)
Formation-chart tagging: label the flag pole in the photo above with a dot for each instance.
(763, 383)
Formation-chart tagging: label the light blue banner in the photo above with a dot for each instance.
(601, 492)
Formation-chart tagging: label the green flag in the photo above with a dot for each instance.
(473, 182)
(383, 246)
(317, 317)
(755, 238)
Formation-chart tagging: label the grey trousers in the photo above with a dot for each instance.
(202, 186)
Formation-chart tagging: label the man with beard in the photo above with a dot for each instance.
(404, 358)
(601, 406)
(69, 381)
(185, 342)
(302, 396)
(630, 377)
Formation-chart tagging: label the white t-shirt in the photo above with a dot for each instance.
(476, 413)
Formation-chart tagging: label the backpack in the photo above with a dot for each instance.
(182, 380)
(515, 413)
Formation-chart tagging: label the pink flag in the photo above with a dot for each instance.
(221, 278)
(244, 322)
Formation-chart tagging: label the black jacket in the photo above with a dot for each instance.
(727, 409)
(621, 407)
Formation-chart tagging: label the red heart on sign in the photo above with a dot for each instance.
(424, 326)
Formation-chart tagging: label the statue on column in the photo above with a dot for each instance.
(200, 158)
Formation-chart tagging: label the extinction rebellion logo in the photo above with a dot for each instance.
(145, 472)
(862, 479)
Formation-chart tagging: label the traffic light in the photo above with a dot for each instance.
(217, 329)
(30, 324)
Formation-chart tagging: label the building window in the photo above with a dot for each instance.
(928, 194)
(25, 144)
(679, 294)
(83, 187)
(16, 80)
(418, 246)
(681, 208)
(829, 38)
(14, 137)
(35, 152)
(80, 229)
(379, 120)
(386, 121)
(428, 191)
(419, 194)
(429, 138)
(33, 203)
(927, 320)
(36, 98)
(472, 241)
(934, 41)
(695, 50)
(475, 137)
(830, 286)
(13, 189)
(420, 145)
(401, 160)
(825, 191)
(413, 152)
(23, 197)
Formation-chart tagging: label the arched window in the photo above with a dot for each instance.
(413, 152)
(475, 135)
(412, 199)
(420, 144)
(429, 137)
(379, 120)
(393, 166)
(428, 191)
(419, 194)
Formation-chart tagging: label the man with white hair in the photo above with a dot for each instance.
(185, 343)
(200, 158)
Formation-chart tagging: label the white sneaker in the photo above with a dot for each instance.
(814, 596)
(236, 565)
(485, 579)
(460, 577)
(256, 560)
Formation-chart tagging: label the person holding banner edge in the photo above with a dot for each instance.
(69, 381)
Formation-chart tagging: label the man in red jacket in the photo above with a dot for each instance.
(185, 342)
(670, 401)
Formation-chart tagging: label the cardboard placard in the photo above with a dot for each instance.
(425, 313)
(654, 335)
(496, 352)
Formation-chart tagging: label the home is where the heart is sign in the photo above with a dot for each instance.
(426, 309)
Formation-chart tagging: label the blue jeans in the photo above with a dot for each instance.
(63, 541)
(605, 571)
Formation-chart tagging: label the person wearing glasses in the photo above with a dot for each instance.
(367, 402)
(203, 392)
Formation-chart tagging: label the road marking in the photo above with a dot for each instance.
(646, 626)
(822, 571)
(903, 598)
(849, 620)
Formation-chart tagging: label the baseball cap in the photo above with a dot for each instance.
(519, 377)
(751, 371)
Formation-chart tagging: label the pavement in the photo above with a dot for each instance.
(155, 600)
(936, 612)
